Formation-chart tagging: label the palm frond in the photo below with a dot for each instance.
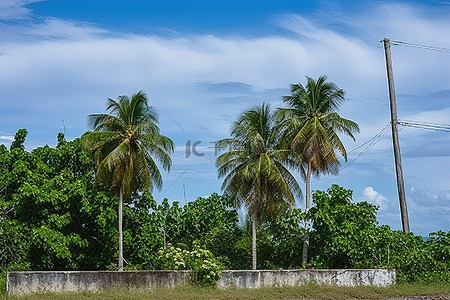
(127, 145)
(253, 167)
(310, 124)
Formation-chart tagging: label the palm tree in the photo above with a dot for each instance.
(255, 169)
(311, 126)
(126, 145)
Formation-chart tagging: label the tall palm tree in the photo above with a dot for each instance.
(126, 145)
(255, 169)
(311, 126)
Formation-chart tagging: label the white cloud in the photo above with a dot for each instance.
(54, 70)
(81, 72)
(372, 196)
(6, 137)
(53, 28)
(15, 9)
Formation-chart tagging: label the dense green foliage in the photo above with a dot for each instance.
(281, 241)
(347, 235)
(208, 222)
(54, 215)
(342, 229)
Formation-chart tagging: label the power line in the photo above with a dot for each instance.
(377, 137)
(373, 142)
(425, 125)
(401, 43)
(428, 123)
(370, 143)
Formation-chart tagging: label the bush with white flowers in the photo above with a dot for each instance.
(206, 269)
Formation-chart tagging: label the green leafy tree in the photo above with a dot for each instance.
(311, 126)
(14, 243)
(280, 241)
(343, 231)
(214, 222)
(53, 215)
(439, 243)
(347, 235)
(255, 168)
(142, 235)
(127, 145)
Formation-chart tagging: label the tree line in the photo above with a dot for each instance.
(55, 215)
(66, 208)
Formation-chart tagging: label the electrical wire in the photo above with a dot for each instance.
(425, 125)
(373, 142)
(381, 132)
(401, 43)
(370, 143)
(375, 139)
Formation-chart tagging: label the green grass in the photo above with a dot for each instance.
(301, 292)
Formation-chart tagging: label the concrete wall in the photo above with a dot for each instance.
(72, 281)
(341, 277)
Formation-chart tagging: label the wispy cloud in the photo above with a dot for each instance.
(6, 137)
(15, 9)
(55, 70)
(226, 87)
(53, 28)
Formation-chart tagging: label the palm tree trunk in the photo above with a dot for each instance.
(254, 241)
(308, 187)
(120, 217)
(308, 204)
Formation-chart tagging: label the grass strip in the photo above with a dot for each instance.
(310, 291)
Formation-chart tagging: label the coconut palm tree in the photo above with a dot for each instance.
(311, 126)
(127, 146)
(255, 169)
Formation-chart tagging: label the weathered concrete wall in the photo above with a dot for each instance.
(72, 281)
(341, 277)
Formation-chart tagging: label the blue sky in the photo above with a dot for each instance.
(203, 62)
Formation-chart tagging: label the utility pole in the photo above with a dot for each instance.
(394, 122)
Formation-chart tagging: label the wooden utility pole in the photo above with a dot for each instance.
(394, 122)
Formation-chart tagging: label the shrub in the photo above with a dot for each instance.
(205, 268)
